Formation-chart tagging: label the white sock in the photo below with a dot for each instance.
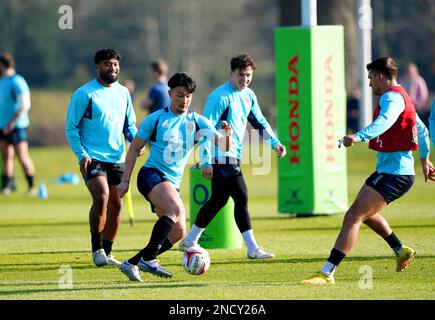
(193, 235)
(329, 268)
(249, 238)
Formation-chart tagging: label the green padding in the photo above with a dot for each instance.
(311, 115)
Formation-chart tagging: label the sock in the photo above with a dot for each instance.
(394, 243)
(160, 232)
(166, 245)
(30, 181)
(194, 234)
(107, 246)
(97, 241)
(333, 261)
(5, 181)
(12, 184)
(249, 238)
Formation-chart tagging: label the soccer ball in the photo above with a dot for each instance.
(195, 260)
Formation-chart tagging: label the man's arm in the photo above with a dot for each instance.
(130, 120)
(76, 110)
(259, 122)
(392, 105)
(130, 161)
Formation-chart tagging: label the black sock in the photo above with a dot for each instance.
(160, 232)
(29, 181)
(97, 241)
(107, 246)
(165, 247)
(336, 257)
(394, 243)
(5, 181)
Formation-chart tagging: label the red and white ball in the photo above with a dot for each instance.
(195, 260)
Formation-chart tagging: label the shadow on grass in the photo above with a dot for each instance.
(124, 285)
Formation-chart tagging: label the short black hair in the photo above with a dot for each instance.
(242, 61)
(106, 54)
(7, 60)
(385, 65)
(182, 79)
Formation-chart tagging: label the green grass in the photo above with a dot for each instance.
(40, 236)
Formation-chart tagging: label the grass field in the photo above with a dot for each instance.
(40, 237)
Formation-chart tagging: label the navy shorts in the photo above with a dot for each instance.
(390, 186)
(112, 171)
(148, 178)
(15, 137)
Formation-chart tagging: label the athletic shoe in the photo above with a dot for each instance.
(183, 246)
(403, 259)
(154, 267)
(111, 261)
(320, 279)
(99, 257)
(131, 271)
(5, 191)
(260, 254)
(32, 192)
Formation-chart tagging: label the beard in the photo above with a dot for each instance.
(108, 77)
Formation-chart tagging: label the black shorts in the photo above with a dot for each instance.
(15, 137)
(390, 186)
(112, 171)
(147, 179)
(226, 170)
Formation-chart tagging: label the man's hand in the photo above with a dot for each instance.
(350, 140)
(84, 165)
(123, 188)
(8, 129)
(280, 150)
(207, 172)
(427, 168)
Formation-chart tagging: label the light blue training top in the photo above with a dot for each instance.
(11, 87)
(392, 105)
(237, 107)
(172, 138)
(96, 120)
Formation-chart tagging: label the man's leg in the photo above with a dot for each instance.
(99, 190)
(169, 209)
(218, 199)
(7, 152)
(22, 152)
(367, 203)
(239, 193)
(113, 220)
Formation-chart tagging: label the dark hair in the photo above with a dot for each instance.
(106, 54)
(182, 79)
(7, 60)
(385, 65)
(242, 61)
(160, 66)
